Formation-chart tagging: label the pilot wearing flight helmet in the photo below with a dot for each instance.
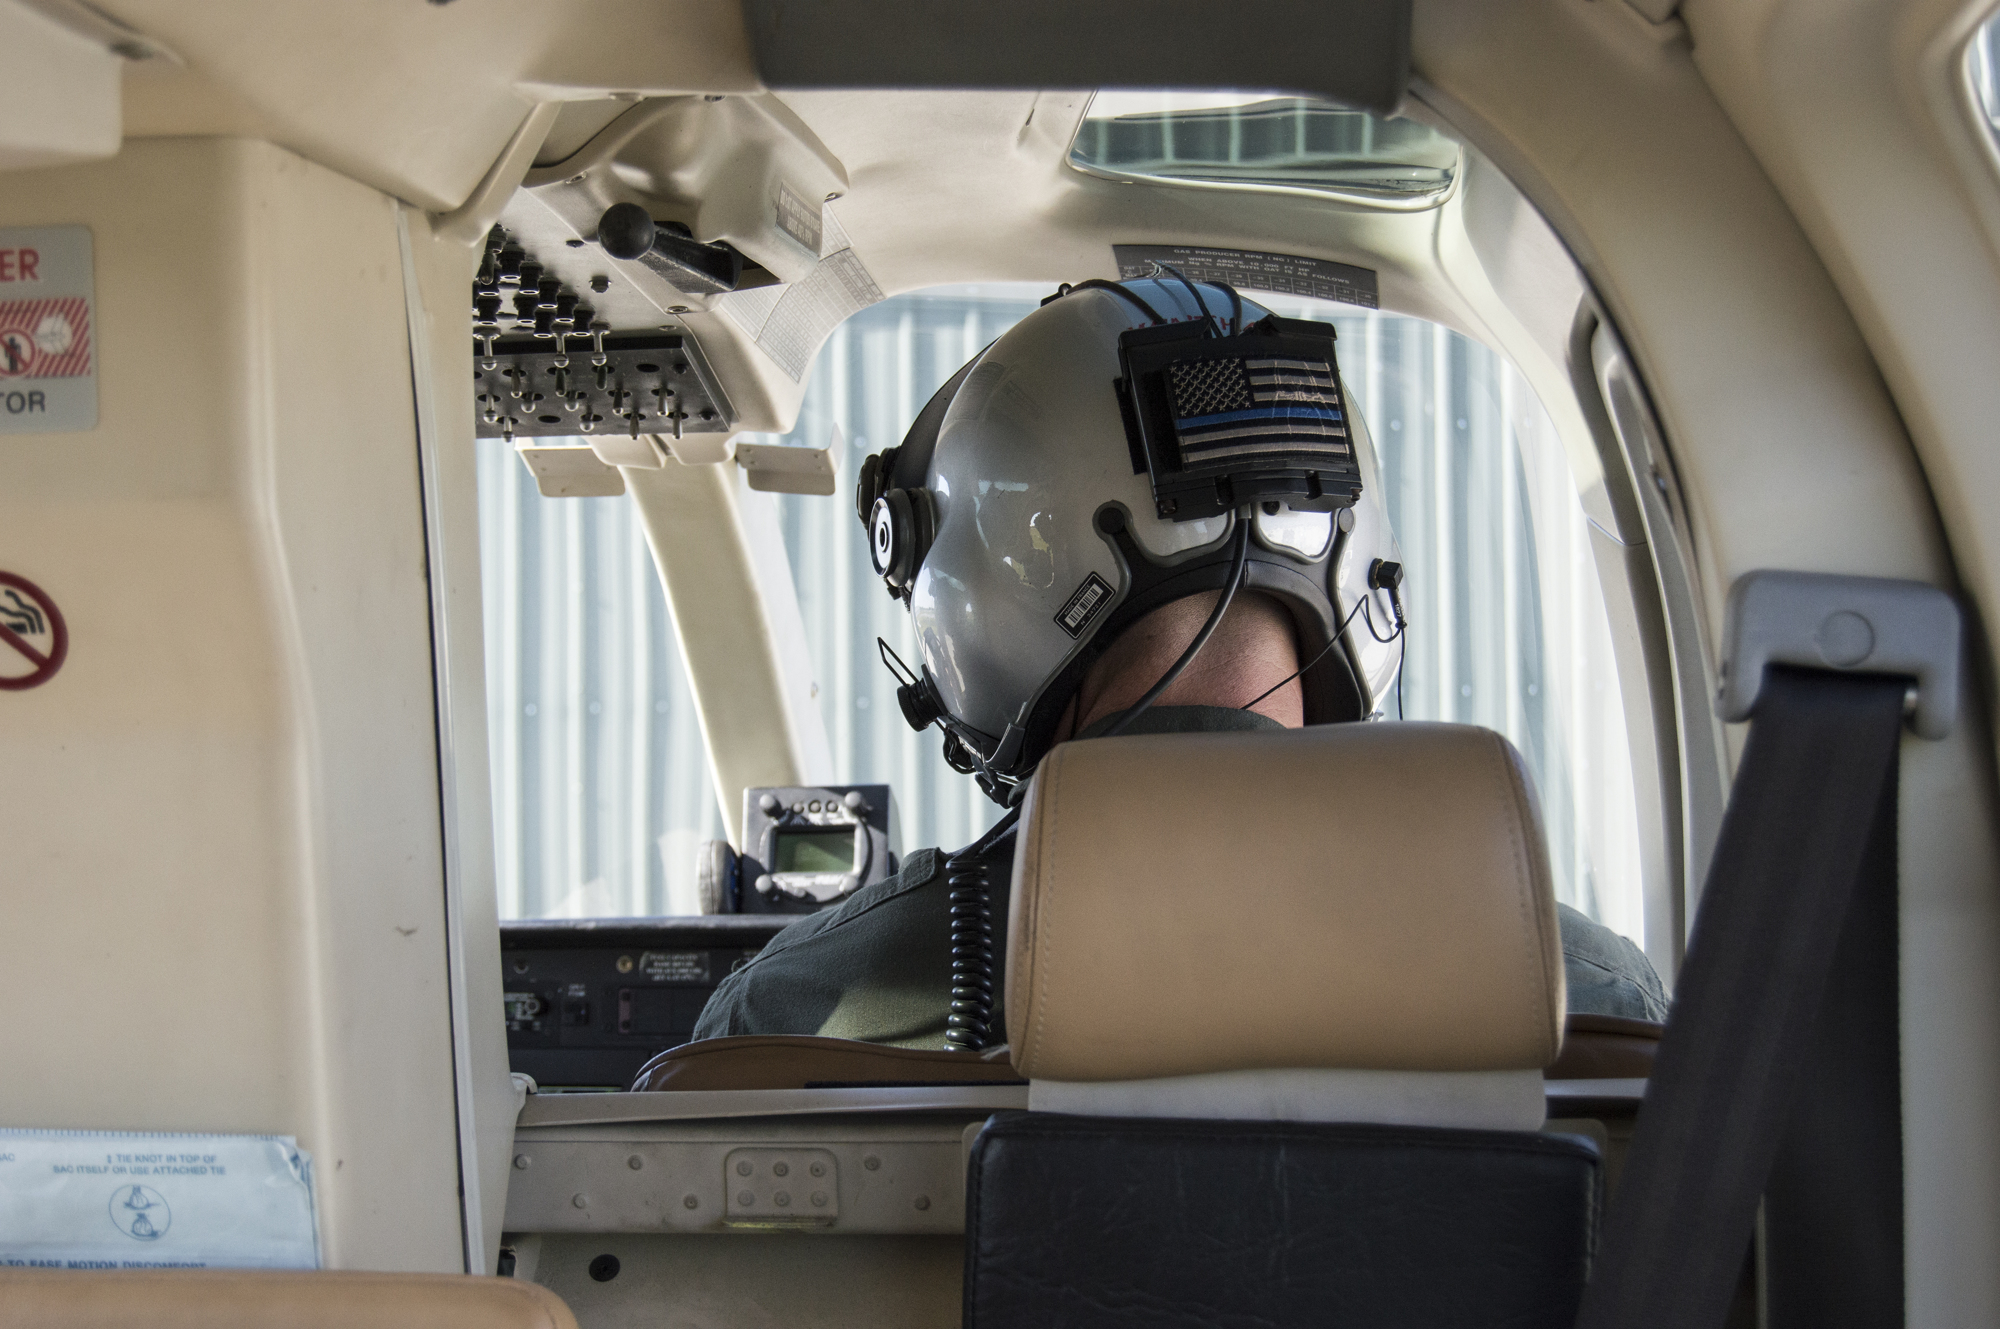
(1147, 508)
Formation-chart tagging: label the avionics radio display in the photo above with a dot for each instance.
(813, 851)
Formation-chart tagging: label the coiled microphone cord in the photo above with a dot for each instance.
(969, 1027)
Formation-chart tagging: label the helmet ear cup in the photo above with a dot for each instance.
(877, 473)
(900, 530)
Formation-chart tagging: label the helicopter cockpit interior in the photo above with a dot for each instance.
(468, 470)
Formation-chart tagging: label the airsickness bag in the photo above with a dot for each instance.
(131, 1200)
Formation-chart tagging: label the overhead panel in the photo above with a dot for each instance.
(59, 90)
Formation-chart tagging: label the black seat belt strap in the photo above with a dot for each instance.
(1805, 805)
(1833, 1205)
(1778, 1079)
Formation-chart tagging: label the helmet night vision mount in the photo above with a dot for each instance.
(1225, 420)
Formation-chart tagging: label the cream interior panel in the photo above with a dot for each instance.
(957, 186)
(437, 273)
(778, 1280)
(1750, 354)
(223, 888)
(1787, 448)
(1861, 112)
(414, 99)
(59, 92)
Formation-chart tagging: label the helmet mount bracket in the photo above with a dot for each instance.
(1223, 421)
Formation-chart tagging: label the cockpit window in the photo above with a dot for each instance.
(1508, 624)
(872, 377)
(1983, 67)
(601, 790)
(1263, 141)
(602, 793)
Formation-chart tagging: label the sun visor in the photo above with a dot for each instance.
(1356, 52)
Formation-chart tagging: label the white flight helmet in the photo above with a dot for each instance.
(1098, 461)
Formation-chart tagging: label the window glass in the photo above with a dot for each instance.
(872, 377)
(601, 783)
(1262, 141)
(601, 789)
(1983, 67)
(1508, 627)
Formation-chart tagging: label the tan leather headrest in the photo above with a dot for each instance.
(1366, 896)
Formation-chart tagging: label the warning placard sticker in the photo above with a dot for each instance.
(48, 334)
(1253, 270)
(117, 1200)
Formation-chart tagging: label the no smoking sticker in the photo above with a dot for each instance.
(34, 640)
(48, 352)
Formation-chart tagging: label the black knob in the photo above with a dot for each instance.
(488, 307)
(531, 274)
(626, 230)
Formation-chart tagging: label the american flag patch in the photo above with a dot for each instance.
(1252, 405)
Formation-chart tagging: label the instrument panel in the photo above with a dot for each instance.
(590, 1001)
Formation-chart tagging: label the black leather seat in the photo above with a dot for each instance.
(1272, 1084)
(1127, 1221)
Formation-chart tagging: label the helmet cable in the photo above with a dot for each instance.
(1402, 659)
(1200, 638)
(1331, 642)
(1195, 291)
(1119, 288)
(1369, 616)
(893, 662)
(969, 1026)
(1383, 576)
(1235, 308)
